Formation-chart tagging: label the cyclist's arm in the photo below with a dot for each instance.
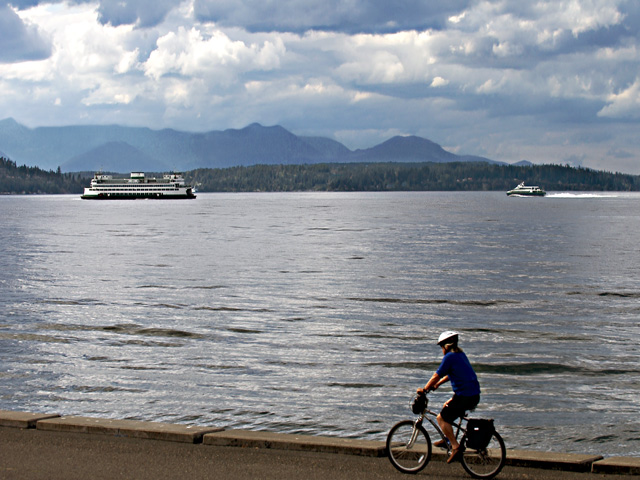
(444, 379)
(431, 384)
(434, 382)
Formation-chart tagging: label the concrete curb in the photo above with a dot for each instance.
(571, 462)
(619, 465)
(287, 441)
(13, 419)
(284, 441)
(127, 428)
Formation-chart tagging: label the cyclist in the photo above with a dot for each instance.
(455, 366)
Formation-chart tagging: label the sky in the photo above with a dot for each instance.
(549, 81)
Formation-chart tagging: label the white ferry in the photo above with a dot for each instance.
(170, 186)
(523, 190)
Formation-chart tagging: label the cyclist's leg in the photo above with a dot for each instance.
(447, 429)
(453, 409)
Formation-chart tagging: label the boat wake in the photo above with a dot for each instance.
(584, 195)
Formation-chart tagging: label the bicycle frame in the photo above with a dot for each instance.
(427, 414)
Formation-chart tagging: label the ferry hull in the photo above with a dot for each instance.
(155, 196)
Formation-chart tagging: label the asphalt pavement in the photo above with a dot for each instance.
(53, 455)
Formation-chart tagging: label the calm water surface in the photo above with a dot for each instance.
(318, 313)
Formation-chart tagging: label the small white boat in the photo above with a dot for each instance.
(523, 190)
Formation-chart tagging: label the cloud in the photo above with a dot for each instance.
(296, 16)
(214, 56)
(625, 104)
(141, 13)
(619, 153)
(513, 34)
(131, 12)
(346, 16)
(545, 80)
(439, 82)
(20, 41)
(90, 64)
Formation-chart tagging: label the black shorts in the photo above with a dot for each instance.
(457, 406)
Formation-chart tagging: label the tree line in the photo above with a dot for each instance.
(368, 177)
(32, 180)
(457, 176)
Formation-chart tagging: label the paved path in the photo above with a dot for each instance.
(36, 454)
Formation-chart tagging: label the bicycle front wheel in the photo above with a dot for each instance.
(408, 447)
(485, 463)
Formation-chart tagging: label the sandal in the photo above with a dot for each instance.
(441, 444)
(455, 454)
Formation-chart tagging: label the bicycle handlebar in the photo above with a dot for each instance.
(422, 391)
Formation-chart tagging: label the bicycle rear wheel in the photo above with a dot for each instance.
(408, 449)
(487, 462)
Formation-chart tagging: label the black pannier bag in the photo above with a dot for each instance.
(479, 433)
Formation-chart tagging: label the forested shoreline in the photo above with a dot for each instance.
(366, 177)
(457, 176)
(33, 180)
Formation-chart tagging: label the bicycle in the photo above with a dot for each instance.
(409, 445)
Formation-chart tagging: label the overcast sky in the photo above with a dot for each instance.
(550, 81)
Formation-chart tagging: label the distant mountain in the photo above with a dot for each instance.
(114, 157)
(329, 147)
(123, 149)
(256, 144)
(523, 163)
(406, 149)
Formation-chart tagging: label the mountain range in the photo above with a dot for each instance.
(115, 148)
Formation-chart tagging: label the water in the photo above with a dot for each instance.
(318, 312)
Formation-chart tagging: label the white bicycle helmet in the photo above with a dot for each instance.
(448, 337)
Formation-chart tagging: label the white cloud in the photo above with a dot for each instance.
(625, 104)
(439, 82)
(583, 16)
(390, 58)
(109, 95)
(82, 47)
(216, 56)
(380, 67)
(90, 64)
(128, 61)
(513, 29)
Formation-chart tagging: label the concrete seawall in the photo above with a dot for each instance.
(217, 436)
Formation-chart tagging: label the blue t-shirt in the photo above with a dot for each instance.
(463, 379)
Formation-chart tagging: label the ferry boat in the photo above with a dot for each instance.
(523, 190)
(170, 186)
